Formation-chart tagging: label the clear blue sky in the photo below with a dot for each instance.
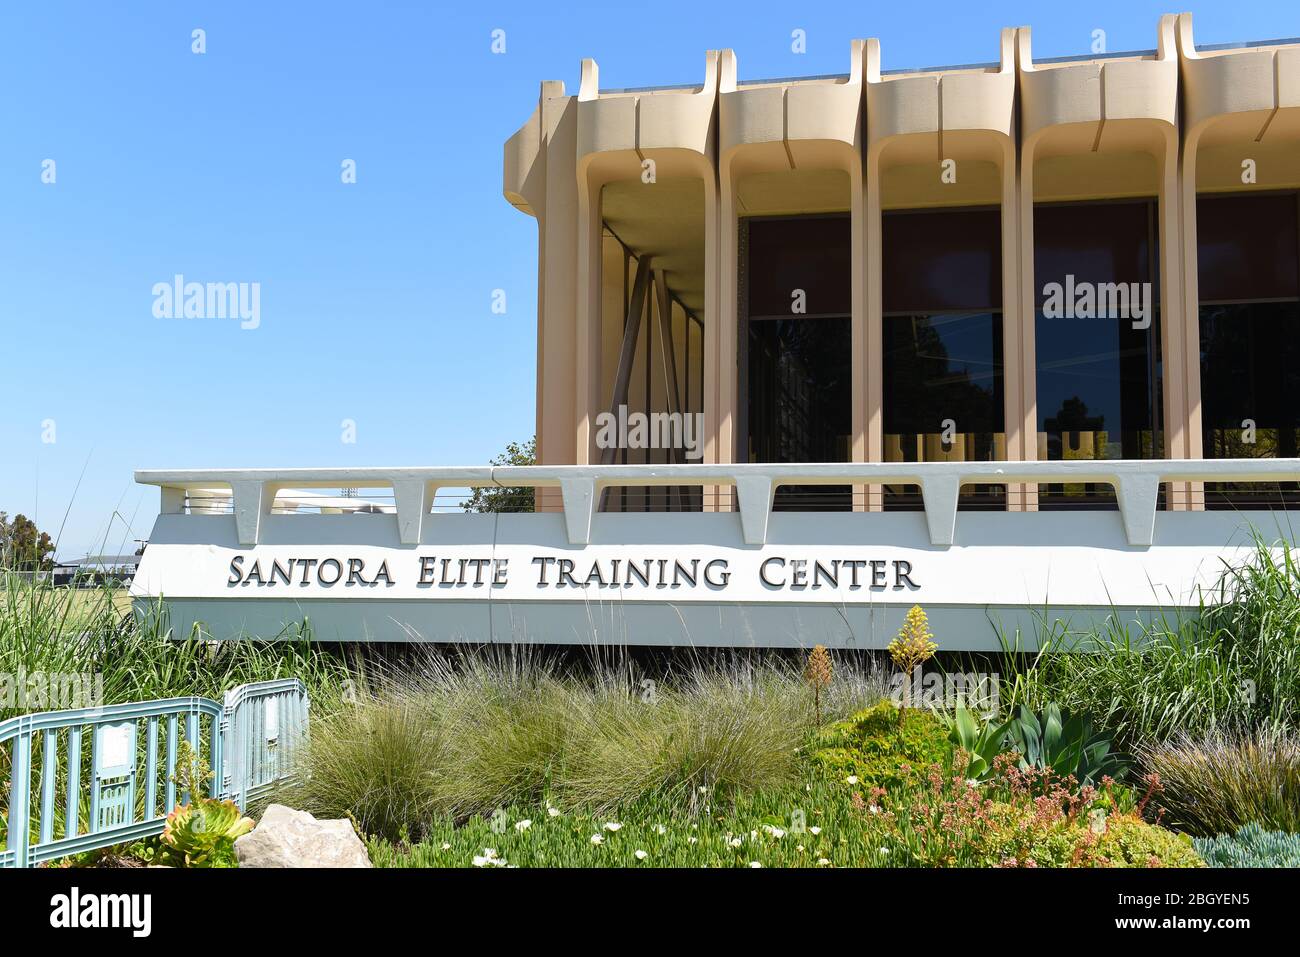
(375, 297)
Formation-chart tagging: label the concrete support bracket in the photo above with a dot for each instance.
(755, 493)
(252, 501)
(414, 501)
(1137, 496)
(579, 496)
(939, 492)
(173, 500)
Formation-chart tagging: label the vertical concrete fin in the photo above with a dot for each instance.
(589, 86)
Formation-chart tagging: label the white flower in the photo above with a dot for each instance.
(612, 826)
(523, 825)
(773, 831)
(822, 862)
(446, 847)
(640, 855)
(814, 830)
(693, 840)
(733, 842)
(489, 858)
(852, 779)
(884, 852)
(755, 864)
(553, 811)
(799, 848)
(597, 839)
(874, 808)
(660, 829)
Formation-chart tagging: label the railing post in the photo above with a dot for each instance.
(234, 746)
(20, 792)
(215, 757)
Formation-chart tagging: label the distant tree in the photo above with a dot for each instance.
(24, 547)
(506, 499)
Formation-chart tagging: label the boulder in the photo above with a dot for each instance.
(288, 838)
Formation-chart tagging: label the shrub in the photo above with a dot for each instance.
(1219, 782)
(1020, 818)
(879, 749)
(1251, 846)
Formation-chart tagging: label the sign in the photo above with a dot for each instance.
(840, 579)
(115, 749)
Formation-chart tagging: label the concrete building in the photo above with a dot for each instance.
(1013, 341)
(1078, 258)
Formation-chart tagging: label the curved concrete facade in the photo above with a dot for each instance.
(1161, 126)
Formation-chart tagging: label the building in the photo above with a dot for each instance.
(93, 570)
(1082, 258)
(1015, 341)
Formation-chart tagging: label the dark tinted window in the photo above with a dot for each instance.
(942, 260)
(1246, 247)
(808, 253)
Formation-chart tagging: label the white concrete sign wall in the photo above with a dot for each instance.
(683, 578)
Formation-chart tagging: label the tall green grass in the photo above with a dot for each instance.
(466, 735)
(1233, 664)
(47, 630)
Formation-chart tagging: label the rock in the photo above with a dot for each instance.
(289, 838)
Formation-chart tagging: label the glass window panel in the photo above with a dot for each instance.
(942, 360)
(1098, 379)
(1250, 349)
(799, 401)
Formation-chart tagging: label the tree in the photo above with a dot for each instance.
(506, 499)
(24, 547)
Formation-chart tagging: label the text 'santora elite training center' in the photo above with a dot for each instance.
(1005, 340)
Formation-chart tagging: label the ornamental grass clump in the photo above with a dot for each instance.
(1216, 783)
(466, 736)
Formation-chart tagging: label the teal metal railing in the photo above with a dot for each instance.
(58, 803)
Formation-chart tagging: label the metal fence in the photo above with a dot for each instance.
(250, 741)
